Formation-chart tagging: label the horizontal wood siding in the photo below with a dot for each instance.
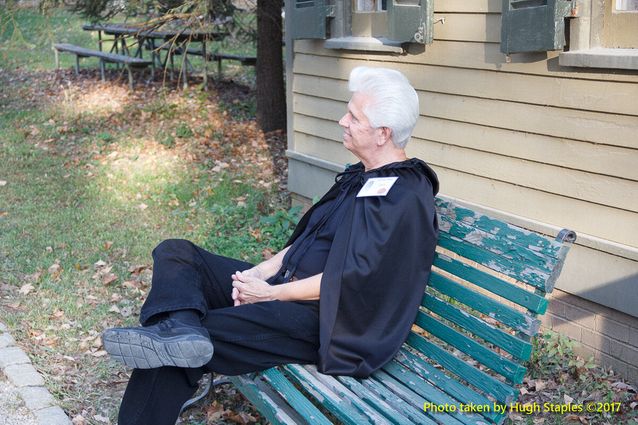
(556, 145)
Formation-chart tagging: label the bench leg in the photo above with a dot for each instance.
(130, 77)
(77, 64)
(102, 69)
(205, 65)
(57, 59)
(219, 69)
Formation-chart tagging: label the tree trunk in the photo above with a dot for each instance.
(271, 96)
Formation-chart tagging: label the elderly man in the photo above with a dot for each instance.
(342, 294)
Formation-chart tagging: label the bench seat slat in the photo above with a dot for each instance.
(497, 363)
(264, 399)
(362, 398)
(410, 396)
(481, 380)
(516, 294)
(489, 306)
(523, 237)
(446, 383)
(295, 398)
(387, 402)
(108, 57)
(340, 407)
(428, 391)
(510, 343)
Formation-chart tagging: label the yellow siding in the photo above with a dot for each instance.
(529, 138)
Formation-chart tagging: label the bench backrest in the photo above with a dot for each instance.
(479, 312)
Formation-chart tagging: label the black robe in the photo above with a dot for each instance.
(377, 268)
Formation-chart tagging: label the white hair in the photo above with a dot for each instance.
(393, 101)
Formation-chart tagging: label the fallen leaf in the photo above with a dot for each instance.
(523, 391)
(623, 386)
(142, 206)
(108, 245)
(214, 411)
(55, 270)
(114, 309)
(57, 314)
(108, 279)
(26, 289)
(99, 264)
(3, 182)
(79, 420)
(567, 399)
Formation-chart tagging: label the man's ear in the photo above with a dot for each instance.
(386, 136)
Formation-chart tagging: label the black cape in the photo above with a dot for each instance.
(377, 268)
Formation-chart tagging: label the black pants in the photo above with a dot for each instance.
(246, 338)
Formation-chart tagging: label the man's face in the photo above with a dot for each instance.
(358, 135)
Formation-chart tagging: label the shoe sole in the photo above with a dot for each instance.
(145, 350)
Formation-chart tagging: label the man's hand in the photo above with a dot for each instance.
(249, 288)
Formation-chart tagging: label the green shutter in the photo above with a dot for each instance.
(308, 19)
(533, 25)
(410, 21)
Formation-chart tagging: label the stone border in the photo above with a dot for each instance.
(17, 367)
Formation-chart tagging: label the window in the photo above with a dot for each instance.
(372, 25)
(626, 6)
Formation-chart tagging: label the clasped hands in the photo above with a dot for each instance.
(250, 287)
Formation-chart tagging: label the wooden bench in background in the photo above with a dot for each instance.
(129, 62)
(218, 57)
(469, 344)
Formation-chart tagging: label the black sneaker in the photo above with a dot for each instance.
(168, 343)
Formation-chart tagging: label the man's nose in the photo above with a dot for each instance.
(343, 122)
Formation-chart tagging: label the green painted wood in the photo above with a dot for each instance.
(510, 264)
(517, 235)
(499, 390)
(413, 414)
(429, 392)
(340, 407)
(265, 404)
(446, 383)
(497, 363)
(508, 316)
(474, 325)
(345, 393)
(410, 21)
(293, 397)
(307, 18)
(366, 401)
(411, 397)
(520, 296)
(108, 57)
(533, 25)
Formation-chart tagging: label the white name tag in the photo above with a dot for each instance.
(377, 186)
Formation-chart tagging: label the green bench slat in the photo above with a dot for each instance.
(497, 363)
(486, 305)
(510, 343)
(340, 407)
(499, 228)
(427, 390)
(520, 296)
(446, 383)
(481, 380)
(413, 411)
(388, 403)
(108, 57)
(411, 397)
(264, 402)
(363, 399)
(513, 267)
(293, 397)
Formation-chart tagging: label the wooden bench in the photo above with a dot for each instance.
(81, 52)
(468, 345)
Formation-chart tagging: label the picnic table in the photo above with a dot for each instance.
(175, 39)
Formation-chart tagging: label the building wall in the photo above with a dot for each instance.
(529, 141)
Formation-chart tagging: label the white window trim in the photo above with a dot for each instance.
(585, 44)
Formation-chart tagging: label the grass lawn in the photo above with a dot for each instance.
(94, 176)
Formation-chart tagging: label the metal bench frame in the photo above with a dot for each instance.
(469, 344)
(81, 52)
